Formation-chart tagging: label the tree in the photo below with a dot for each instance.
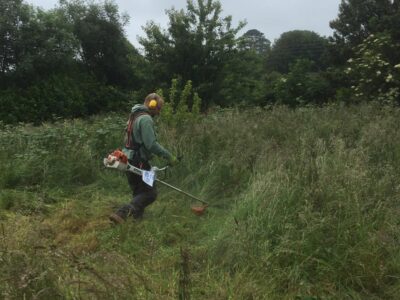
(358, 19)
(12, 14)
(33, 43)
(195, 47)
(48, 46)
(374, 71)
(243, 79)
(70, 61)
(302, 85)
(104, 49)
(254, 40)
(243, 74)
(294, 45)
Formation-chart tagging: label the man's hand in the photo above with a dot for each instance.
(173, 161)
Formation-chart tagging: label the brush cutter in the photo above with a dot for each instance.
(118, 160)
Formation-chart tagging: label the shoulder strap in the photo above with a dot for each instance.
(130, 143)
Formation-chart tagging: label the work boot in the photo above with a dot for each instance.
(116, 219)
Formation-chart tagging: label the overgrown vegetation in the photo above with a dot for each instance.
(304, 204)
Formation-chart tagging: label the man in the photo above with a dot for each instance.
(140, 145)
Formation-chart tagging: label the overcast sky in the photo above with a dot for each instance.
(271, 17)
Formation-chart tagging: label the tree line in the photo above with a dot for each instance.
(75, 60)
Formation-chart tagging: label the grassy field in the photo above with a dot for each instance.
(304, 204)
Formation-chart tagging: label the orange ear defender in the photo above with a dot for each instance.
(153, 104)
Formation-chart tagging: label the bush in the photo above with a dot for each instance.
(187, 109)
(375, 70)
(60, 96)
(301, 86)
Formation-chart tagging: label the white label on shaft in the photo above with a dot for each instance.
(148, 177)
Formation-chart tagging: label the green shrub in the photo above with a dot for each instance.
(374, 71)
(186, 110)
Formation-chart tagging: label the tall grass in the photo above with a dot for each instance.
(303, 205)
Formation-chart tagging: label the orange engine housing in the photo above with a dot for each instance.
(120, 156)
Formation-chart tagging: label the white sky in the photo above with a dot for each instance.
(271, 17)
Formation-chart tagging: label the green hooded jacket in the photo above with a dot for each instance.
(145, 135)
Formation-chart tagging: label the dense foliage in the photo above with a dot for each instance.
(197, 45)
(67, 62)
(359, 19)
(75, 60)
(296, 45)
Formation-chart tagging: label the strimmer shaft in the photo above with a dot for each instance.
(129, 168)
(179, 190)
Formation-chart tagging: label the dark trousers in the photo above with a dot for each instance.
(142, 194)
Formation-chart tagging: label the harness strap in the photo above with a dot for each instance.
(130, 142)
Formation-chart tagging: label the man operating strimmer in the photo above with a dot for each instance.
(140, 146)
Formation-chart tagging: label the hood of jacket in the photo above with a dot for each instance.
(140, 108)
